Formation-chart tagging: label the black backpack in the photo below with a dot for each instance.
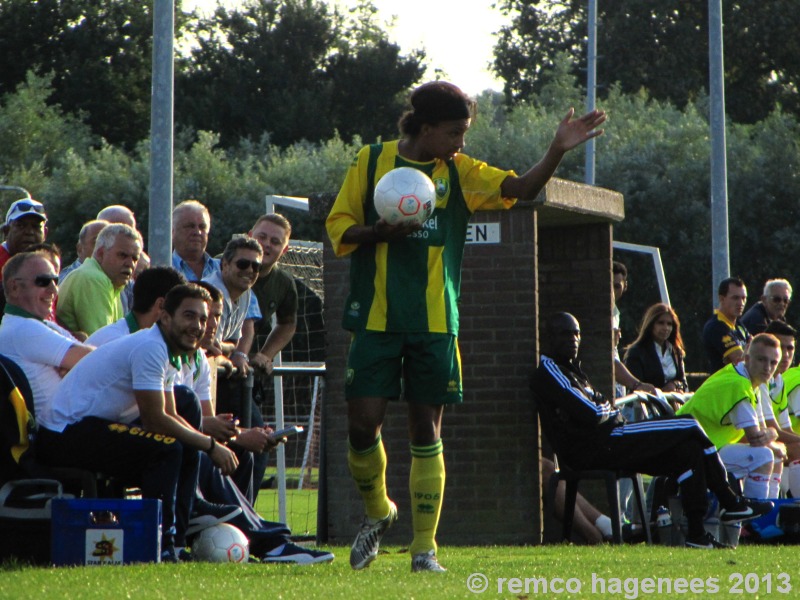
(17, 424)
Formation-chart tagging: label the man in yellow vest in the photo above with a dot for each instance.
(726, 407)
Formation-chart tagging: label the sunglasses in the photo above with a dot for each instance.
(26, 207)
(779, 299)
(42, 281)
(243, 264)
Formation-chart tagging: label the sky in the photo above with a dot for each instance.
(462, 48)
(457, 40)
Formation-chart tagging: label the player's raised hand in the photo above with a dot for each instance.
(572, 132)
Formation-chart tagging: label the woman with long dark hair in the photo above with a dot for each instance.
(656, 356)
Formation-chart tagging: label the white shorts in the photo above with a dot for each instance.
(742, 459)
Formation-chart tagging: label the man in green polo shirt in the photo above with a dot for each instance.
(90, 297)
(150, 289)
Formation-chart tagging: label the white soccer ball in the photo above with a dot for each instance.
(405, 194)
(221, 543)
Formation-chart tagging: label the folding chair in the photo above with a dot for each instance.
(571, 477)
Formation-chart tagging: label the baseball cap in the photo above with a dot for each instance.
(24, 207)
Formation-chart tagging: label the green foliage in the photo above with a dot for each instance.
(36, 135)
(659, 46)
(52, 155)
(294, 70)
(98, 51)
(658, 157)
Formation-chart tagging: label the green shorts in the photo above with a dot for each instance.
(424, 368)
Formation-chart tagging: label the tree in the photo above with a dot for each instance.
(661, 47)
(98, 51)
(35, 134)
(294, 69)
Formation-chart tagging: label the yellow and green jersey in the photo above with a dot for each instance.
(791, 381)
(411, 284)
(712, 403)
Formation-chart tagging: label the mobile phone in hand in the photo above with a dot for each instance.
(286, 431)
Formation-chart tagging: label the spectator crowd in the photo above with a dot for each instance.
(121, 359)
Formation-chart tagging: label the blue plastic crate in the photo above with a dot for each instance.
(768, 527)
(102, 531)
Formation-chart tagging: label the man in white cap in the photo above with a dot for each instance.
(25, 226)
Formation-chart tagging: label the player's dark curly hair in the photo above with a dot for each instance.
(434, 102)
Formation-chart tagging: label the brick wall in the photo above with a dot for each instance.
(575, 276)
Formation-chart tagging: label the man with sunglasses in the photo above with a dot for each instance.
(772, 306)
(241, 263)
(191, 225)
(42, 349)
(25, 226)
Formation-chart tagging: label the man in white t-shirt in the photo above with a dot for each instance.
(268, 540)
(43, 350)
(90, 421)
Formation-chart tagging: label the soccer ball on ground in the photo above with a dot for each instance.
(221, 543)
(405, 194)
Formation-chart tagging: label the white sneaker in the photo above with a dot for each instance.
(426, 561)
(365, 546)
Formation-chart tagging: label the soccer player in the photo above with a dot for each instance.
(403, 303)
(726, 407)
(784, 391)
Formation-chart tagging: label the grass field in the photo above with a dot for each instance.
(590, 572)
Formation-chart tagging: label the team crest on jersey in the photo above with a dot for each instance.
(442, 186)
(351, 374)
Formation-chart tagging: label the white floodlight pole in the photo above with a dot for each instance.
(720, 252)
(159, 230)
(591, 87)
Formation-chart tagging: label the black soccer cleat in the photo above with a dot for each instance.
(745, 510)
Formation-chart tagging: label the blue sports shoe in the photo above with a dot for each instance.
(298, 555)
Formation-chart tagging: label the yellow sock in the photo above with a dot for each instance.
(426, 484)
(368, 468)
